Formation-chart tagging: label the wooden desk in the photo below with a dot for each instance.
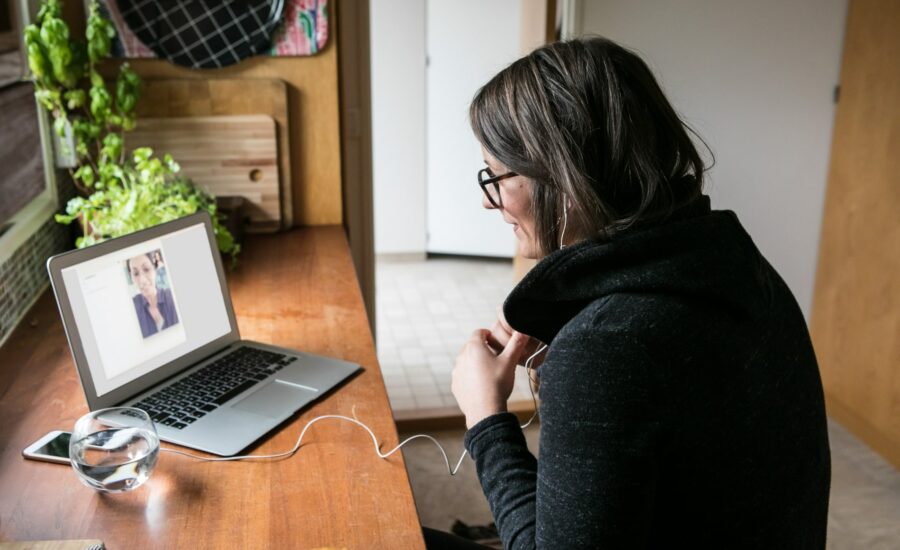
(295, 289)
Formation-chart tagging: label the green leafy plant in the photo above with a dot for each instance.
(119, 193)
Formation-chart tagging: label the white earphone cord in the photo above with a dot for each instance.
(565, 220)
(354, 420)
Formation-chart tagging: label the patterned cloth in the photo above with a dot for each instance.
(126, 43)
(204, 33)
(304, 29)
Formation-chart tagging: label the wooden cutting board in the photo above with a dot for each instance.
(227, 155)
(184, 97)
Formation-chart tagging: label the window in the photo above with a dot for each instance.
(21, 162)
(27, 179)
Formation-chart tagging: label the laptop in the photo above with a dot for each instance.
(150, 323)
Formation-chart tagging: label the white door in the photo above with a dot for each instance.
(468, 42)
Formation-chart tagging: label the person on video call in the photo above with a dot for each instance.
(161, 280)
(680, 398)
(154, 306)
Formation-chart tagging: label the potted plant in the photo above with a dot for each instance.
(118, 193)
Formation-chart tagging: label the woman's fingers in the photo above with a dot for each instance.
(502, 327)
(501, 318)
(499, 335)
(494, 343)
(515, 347)
(482, 378)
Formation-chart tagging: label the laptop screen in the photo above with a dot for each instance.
(144, 306)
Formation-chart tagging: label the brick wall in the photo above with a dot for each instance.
(24, 275)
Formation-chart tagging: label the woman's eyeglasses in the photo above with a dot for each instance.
(490, 184)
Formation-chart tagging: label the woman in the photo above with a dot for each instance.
(681, 402)
(162, 280)
(154, 306)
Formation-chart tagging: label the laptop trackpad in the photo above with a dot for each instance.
(276, 399)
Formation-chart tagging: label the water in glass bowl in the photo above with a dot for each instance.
(115, 460)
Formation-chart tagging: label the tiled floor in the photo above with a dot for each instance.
(426, 309)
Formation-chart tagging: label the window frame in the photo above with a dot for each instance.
(31, 217)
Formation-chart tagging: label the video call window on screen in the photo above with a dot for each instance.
(143, 306)
(151, 292)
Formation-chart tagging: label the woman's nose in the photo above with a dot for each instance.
(486, 203)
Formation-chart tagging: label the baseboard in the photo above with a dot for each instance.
(450, 418)
(878, 441)
(400, 257)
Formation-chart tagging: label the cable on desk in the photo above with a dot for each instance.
(354, 420)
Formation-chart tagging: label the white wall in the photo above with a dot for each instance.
(468, 42)
(467, 51)
(398, 124)
(756, 80)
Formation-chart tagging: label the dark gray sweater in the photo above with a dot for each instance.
(681, 404)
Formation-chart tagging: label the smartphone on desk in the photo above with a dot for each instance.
(53, 447)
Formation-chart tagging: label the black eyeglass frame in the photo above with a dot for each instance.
(495, 181)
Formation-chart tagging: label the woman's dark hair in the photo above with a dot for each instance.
(586, 120)
(149, 257)
(128, 264)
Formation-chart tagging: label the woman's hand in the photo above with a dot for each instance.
(482, 378)
(501, 332)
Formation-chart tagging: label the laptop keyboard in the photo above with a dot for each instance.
(192, 397)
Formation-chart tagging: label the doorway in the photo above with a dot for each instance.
(443, 263)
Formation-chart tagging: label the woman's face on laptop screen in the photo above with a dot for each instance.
(143, 273)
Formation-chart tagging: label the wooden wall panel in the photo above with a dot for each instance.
(356, 145)
(856, 309)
